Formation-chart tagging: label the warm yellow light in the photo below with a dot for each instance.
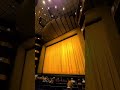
(55, 7)
(36, 58)
(43, 2)
(49, 0)
(48, 8)
(65, 57)
(36, 51)
(63, 8)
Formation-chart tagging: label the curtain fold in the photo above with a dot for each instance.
(65, 57)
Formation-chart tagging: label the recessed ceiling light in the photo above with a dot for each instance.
(55, 7)
(45, 14)
(63, 8)
(81, 10)
(48, 8)
(43, 2)
(51, 15)
(42, 8)
(75, 13)
(49, 0)
(82, 29)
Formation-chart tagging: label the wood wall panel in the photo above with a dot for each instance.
(72, 20)
(56, 28)
(65, 24)
(47, 33)
(60, 25)
(69, 23)
(52, 32)
(100, 62)
(28, 79)
(41, 62)
(73, 32)
(16, 76)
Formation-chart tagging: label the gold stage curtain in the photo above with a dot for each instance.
(65, 57)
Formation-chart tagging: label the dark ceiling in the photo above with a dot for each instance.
(51, 20)
(54, 18)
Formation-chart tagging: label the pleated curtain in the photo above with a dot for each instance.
(65, 57)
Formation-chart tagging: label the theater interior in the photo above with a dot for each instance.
(59, 45)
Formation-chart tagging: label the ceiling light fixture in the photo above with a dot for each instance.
(43, 2)
(45, 14)
(81, 10)
(63, 8)
(82, 29)
(51, 15)
(55, 7)
(42, 8)
(49, 0)
(48, 8)
(75, 13)
(38, 38)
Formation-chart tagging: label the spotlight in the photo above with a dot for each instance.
(82, 29)
(55, 7)
(75, 13)
(38, 38)
(43, 2)
(48, 8)
(49, 0)
(63, 8)
(52, 16)
(81, 10)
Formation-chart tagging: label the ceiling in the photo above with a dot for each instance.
(54, 18)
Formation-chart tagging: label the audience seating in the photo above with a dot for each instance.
(61, 85)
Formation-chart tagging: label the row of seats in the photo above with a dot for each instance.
(59, 82)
